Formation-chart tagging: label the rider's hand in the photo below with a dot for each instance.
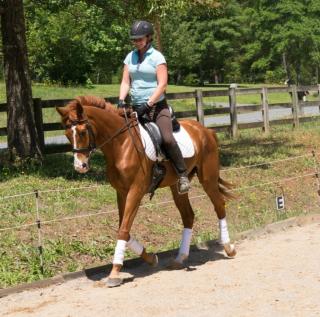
(144, 108)
(121, 104)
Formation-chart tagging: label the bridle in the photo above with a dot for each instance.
(92, 140)
(92, 147)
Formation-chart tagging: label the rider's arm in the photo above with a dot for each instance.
(162, 78)
(125, 83)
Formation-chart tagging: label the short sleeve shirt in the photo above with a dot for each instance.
(144, 75)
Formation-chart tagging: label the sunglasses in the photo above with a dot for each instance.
(137, 40)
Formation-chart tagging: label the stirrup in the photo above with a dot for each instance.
(183, 185)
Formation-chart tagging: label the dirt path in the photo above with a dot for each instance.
(275, 275)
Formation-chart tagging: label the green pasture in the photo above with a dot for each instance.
(47, 92)
(71, 243)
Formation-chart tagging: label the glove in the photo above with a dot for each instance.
(144, 108)
(121, 104)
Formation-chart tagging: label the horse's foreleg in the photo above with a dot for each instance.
(138, 249)
(133, 244)
(128, 207)
(187, 215)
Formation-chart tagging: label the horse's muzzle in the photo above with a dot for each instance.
(81, 166)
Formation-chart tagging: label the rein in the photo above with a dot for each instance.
(92, 144)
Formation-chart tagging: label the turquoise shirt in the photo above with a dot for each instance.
(144, 75)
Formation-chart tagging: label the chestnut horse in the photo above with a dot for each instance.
(93, 123)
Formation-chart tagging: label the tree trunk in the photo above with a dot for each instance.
(285, 65)
(158, 32)
(23, 141)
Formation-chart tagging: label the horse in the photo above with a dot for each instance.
(92, 123)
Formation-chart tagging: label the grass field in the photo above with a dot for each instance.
(70, 245)
(46, 92)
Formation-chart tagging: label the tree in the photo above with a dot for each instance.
(202, 46)
(23, 141)
(73, 41)
(282, 37)
(156, 10)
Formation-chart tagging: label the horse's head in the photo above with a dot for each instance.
(79, 132)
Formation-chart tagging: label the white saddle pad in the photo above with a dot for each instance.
(182, 137)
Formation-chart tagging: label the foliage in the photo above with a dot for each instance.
(71, 41)
(275, 29)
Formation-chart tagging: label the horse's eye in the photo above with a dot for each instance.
(82, 133)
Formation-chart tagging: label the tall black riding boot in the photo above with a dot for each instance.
(176, 158)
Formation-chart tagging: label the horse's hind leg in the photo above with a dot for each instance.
(187, 215)
(211, 187)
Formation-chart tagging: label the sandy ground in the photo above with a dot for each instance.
(277, 274)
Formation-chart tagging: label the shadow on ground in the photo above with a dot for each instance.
(242, 151)
(136, 268)
(248, 150)
(57, 165)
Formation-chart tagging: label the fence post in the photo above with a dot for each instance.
(265, 110)
(295, 105)
(38, 222)
(199, 106)
(233, 110)
(37, 107)
(300, 104)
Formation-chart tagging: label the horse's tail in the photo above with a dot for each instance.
(215, 136)
(225, 188)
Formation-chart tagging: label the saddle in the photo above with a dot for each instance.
(155, 135)
(158, 170)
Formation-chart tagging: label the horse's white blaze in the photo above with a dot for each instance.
(119, 252)
(77, 163)
(185, 245)
(224, 233)
(74, 134)
(135, 246)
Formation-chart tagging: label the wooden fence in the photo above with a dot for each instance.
(202, 109)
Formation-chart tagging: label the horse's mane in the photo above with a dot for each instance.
(91, 101)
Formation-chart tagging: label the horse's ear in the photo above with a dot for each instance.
(63, 111)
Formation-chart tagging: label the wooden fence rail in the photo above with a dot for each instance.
(202, 109)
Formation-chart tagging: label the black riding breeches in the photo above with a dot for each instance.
(162, 117)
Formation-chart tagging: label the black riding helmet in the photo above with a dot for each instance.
(140, 29)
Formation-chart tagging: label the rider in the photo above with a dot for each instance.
(145, 75)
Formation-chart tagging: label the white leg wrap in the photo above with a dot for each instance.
(224, 233)
(185, 245)
(135, 246)
(119, 252)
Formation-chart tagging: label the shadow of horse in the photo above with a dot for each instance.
(208, 251)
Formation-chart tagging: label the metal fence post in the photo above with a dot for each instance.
(233, 110)
(38, 118)
(265, 110)
(38, 222)
(295, 106)
(199, 106)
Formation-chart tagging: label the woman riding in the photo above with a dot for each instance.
(145, 75)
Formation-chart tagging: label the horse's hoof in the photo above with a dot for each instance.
(114, 281)
(155, 261)
(175, 265)
(230, 249)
